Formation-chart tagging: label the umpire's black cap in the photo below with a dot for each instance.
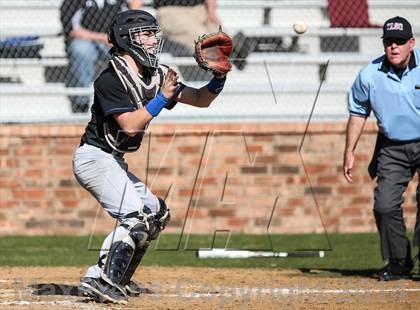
(397, 27)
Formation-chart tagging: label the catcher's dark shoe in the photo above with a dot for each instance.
(396, 270)
(101, 291)
(134, 289)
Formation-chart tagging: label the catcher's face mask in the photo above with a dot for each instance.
(149, 41)
(136, 32)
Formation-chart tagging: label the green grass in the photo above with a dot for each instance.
(350, 252)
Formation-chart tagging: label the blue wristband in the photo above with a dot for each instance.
(215, 86)
(156, 105)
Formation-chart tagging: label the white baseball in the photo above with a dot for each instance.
(300, 27)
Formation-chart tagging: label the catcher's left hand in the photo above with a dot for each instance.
(212, 52)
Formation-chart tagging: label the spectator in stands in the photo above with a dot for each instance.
(390, 87)
(85, 23)
(198, 17)
(182, 21)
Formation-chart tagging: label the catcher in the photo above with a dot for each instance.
(127, 96)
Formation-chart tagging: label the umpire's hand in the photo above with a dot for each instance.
(348, 163)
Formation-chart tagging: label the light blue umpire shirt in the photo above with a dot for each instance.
(395, 102)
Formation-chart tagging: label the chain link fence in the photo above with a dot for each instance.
(51, 51)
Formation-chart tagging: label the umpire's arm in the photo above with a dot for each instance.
(355, 127)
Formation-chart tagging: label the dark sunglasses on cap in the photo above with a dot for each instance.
(398, 41)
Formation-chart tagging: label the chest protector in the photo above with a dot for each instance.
(140, 94)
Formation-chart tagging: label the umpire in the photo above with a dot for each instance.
(390, 87)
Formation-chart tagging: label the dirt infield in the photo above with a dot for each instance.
(206, 288)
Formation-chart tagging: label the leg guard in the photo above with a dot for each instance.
(153, 224)
(125, 254)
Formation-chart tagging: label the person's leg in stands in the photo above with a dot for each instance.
(83, 55)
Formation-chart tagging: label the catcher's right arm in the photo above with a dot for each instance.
(212, 52)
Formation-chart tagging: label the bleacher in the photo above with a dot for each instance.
(272, 86)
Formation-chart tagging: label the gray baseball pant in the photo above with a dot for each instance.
(117, 190)
(397, 164)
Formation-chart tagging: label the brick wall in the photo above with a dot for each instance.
(216, 176)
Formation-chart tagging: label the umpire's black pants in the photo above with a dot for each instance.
(397, 162)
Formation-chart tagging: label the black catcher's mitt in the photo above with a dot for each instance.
(212, 52)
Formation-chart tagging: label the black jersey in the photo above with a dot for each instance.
(111, 96)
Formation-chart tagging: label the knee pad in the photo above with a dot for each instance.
(139, 234)
(158, 221)
(163, 215)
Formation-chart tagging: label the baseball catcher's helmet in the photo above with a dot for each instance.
(122, 35)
